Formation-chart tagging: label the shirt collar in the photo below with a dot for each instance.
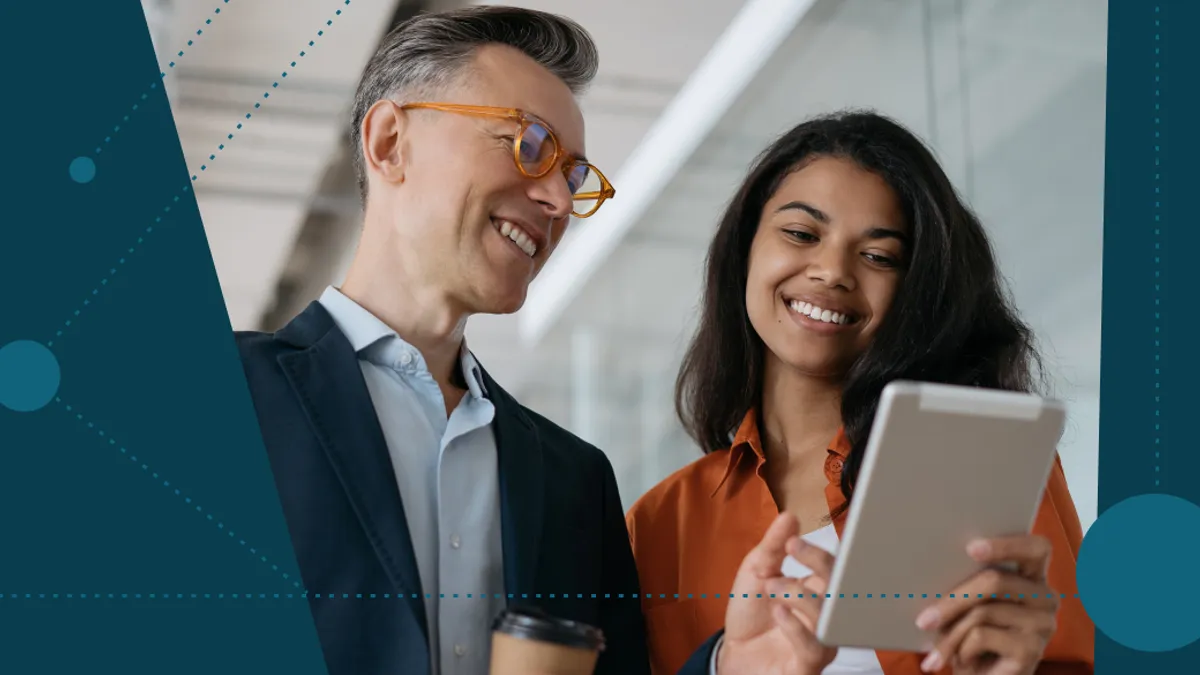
(472, 373)
(360, 327)
(363, 329)
(748, 439)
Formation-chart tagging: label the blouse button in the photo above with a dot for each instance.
(834, 464)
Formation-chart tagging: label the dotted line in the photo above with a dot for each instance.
(1157, 254)
(167, 209)
(151, 596)
(199, 32)
(178, 493)
(112, 271)
(267, 94)
(883, 596)
(154, 85)
(117, 128)
(478, 596)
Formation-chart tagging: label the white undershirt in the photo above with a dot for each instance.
(848, 661)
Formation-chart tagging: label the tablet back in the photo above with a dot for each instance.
(943, 465)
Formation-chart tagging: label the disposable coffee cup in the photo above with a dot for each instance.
(528, 641)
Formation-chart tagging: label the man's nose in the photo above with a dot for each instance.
(553, 194)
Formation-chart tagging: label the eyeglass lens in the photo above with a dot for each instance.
(537, 151)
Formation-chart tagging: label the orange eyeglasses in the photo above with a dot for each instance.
(535, 152)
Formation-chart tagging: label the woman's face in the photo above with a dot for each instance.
(825, 264)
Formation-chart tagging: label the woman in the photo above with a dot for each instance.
(845, 261)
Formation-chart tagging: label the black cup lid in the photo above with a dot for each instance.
(532, 623)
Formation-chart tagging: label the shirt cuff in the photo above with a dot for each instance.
(712, 663)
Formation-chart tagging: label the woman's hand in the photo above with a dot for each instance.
(776, 636)
(1005, 631)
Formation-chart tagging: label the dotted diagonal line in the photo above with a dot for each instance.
(175, 198)
(267, 94)
(478, 596)
(1157, 254)
(154, 85)
(178, 493)
(117, 128)
(112, 271)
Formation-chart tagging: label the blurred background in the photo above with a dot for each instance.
(1009, 93)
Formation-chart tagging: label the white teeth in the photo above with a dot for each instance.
(818, 314)
(518, 237)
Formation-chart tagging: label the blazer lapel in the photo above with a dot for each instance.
(521, 491)
(329, 383)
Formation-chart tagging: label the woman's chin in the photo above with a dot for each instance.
(830, 367)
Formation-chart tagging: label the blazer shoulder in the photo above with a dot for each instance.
(249, 341)
(260, 352)
(560, 440)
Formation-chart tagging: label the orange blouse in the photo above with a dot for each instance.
(691, 531)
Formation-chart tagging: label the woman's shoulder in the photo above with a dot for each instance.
(684, 490)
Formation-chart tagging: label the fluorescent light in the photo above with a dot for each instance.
(740, 52)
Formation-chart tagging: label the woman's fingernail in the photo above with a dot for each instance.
(932, 662)
(979, 549)
(927, 619)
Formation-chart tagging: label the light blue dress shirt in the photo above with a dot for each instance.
(446, 470)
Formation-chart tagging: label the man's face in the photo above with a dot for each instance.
(458, 209)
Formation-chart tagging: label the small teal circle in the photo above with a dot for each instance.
(1137, 569)
(83, 169)
(29, 375)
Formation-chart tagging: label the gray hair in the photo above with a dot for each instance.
(430, 51)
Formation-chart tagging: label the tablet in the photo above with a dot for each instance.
(943, 465)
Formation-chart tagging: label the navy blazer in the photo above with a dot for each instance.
(566, 548)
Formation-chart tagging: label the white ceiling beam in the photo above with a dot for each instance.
(736, 57)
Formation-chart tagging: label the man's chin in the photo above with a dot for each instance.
(505, 303)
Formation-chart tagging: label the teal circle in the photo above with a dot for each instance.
(1137, 573)
(29, 376)
(83, 169)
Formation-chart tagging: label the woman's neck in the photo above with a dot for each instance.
(800, 414)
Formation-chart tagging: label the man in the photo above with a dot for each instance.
(402, 468)
(407, 475)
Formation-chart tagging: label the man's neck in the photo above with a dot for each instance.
(421, 316)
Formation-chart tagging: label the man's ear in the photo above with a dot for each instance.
(383, 141)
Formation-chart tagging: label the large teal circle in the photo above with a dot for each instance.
(29, 375)
(1137, 572)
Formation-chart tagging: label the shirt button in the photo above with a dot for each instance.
(833, 466)
(460, 650)
(455, 542)
(406, 359)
